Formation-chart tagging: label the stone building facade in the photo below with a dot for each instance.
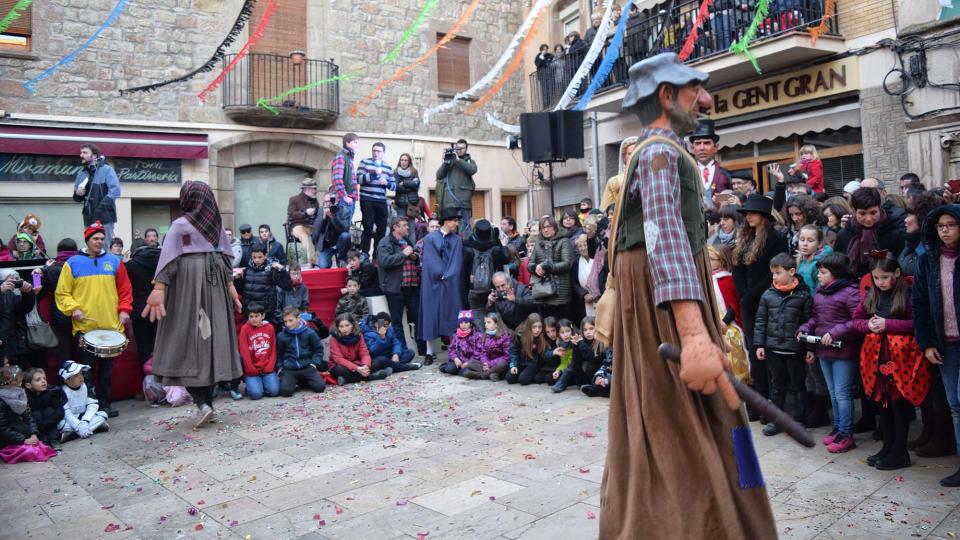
(158, 40)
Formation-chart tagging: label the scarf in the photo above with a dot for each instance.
(299, 329)
(491, 332)
(726, 238)
(463, 333)
(15, 398)
(864, 240)
(948, 252)
(348, 340)
(201, 210)
(64, 256)
(787, 288)
(403, 173)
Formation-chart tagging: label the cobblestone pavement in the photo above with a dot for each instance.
(416, 456)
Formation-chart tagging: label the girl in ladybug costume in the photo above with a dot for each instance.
(895, 374)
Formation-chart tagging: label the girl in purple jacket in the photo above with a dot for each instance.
(463, 345)
(493, 351)
(839, 349)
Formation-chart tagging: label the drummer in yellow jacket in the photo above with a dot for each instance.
(95, 292)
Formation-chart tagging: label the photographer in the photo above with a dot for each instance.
(511, 300)
(455, 185)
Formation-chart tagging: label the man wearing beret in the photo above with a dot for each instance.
(680, 458)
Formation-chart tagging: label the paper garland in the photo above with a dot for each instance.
(497, 123)
(816, 31)
(511, 69)
(266, 102)
(485, 81)
(402, 72)
(218, 55)
(692, 38)
(609, 59)
(242, 53)
(740, 47)
(111, 19)
(13, 14)
(590, 57)
(408, 33)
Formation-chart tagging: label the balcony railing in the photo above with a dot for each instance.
(666, 32)
(264, 76)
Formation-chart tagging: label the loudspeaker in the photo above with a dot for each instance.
(567, 127)
(536, 133)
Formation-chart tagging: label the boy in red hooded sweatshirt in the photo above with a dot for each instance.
(258, 348)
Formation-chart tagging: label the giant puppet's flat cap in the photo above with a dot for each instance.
(647, 75)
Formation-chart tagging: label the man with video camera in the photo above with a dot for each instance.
(455, 185)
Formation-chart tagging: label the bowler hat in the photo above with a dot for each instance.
(647, 75)
(759, 204)
(704, 131)
(449, 213)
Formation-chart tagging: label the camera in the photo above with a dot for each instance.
(17, 283)
(815, 340)
(501, 295)
(449, 154)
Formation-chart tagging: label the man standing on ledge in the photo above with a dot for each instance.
(455, 185)
(680, 457)
(98, 188)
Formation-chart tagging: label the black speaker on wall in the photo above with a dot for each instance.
(537, 137)
(551, 136)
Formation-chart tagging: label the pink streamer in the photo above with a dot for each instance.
(695, 31)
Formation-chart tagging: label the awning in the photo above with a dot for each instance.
(16, 139)
(816, 121)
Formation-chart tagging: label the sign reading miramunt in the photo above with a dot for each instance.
(35, 168)
(812, 83)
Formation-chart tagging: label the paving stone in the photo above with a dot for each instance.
(466, 495)
(571, 522)
(875, 519)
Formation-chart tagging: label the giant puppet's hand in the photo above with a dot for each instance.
(703, 364)
(154, 309)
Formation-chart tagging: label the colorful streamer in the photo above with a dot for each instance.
(254, 37)
(740, 47)
(218, 55)
(111, 19)
(408, 33)
(817, 31)
(692, 38)
(13, 14)
(511, 69)
(609, 59)
(265, 102)
(402, 72)
(487, 79)
(497, 123)
(588, 59)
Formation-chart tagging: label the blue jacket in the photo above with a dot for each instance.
(300, 348)
(606, 370)
(927, 294)
(388, 345)
(102, 191)
(275, 251)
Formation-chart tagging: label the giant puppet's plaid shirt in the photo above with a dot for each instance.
(656, 183)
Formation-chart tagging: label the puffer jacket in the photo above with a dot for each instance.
(15, 428)
(47, 408)
(556, 255)
(13, 324)
(833, 309)
(408, 189)
(779, 316)
(927, 293)
(494, 350)
(259, 284)
(466, 349)
(387, 345)
(912, 249)
(300, 348)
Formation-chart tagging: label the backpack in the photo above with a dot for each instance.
(481, 276)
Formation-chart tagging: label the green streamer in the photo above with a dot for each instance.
(408, 33)
(265, 102)
(13, 14)
(740, 47)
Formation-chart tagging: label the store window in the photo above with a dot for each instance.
(59, 219)
(262, 193)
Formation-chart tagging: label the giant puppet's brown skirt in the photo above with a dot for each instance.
(679, 464)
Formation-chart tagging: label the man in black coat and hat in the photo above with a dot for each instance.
(703, 144)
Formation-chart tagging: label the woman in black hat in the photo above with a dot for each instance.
(757, 242)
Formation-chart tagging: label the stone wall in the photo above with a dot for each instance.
(165, 38)
(884, 136)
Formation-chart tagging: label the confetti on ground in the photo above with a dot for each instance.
(584, 470)
(111, 527)
(192, 511)
(591, 515)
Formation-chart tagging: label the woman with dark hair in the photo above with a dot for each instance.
(407, 199)
(726, 234)
(918, 209)
(551, 260)
(570, 223)
(194, 299)
(802, 210)
(757, 243)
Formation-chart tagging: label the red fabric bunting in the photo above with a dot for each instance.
(695, 31)
(254, 37)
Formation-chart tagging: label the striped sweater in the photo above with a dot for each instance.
(375, 179)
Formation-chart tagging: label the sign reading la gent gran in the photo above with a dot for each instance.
(31, 168)
(812, 83)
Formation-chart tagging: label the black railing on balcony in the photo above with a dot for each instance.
(656, 31)
(264, 76)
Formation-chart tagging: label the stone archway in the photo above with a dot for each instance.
(295, 150)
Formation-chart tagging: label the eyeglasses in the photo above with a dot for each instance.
(947, 226)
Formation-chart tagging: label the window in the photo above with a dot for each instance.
(453, 66)
(17, 35)
(570, 18)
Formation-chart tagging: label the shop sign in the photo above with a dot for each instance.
(796, 87)
(32, 168)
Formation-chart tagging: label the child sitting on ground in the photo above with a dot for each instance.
(19, 436)
(349, 355)
(46, 405)
(493, 347)
(463, 345)
(301, 355)
(352, 303)
(258, 349)
(601, 379)
(82, 416)
(526, 354)
(384, 346)
(560, 358)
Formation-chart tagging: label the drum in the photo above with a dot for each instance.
(104, 343)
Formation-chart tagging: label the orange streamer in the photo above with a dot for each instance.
(402, 72)
(816, 31)
(514, 65)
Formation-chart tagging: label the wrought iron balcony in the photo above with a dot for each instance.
(258, 78)
(663, 31)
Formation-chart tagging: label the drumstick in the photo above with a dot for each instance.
(757, 402)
